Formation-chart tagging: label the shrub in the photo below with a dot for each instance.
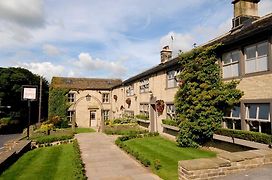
(79, 170)
(201, 100)
(124, 129)
(157, 164)
(142, 116)
(246, 135)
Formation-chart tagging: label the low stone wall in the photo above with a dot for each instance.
(225, 163)
(12, 151)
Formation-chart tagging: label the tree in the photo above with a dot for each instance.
(11, 81)
(202, 99)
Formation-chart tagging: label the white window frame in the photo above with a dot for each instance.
(130, 90)
(249, 120)
(71, 97)
(70, 115)
(106, 114)
(170, 111)
(232, 118)
(106, 97)
(257, 58)
(144, 109)
(144, 85)
(171, 78)
(231, 64)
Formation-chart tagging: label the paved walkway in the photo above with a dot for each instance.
(105, 161)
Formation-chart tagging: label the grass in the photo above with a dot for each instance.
(165, 153)
(57, 162)
(124, 129)
(84, 130)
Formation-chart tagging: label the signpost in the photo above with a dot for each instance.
(29, 93)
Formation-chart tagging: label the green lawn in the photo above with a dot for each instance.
(167, 152)
(84, 130)
(57, 162)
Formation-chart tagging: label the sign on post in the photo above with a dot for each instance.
(29, 93)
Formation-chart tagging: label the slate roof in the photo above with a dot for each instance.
(84, 83)
(262, 26)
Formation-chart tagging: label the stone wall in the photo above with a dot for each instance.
(225, 163)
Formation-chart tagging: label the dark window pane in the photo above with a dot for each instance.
(266, 127)
(252, 111)
(262, 49)
(236, 111)
(229, 124)
(237, 124)
(251, 52)
(254, 126)
(235, 56)
(226, 58)
(264, 111)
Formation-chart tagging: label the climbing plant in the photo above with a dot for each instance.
(203, 97)
(58, 104)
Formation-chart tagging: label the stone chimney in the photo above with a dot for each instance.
(166, 54)
(245, 11)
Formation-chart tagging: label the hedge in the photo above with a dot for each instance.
(170, 122)
(246, 135)
(52, 138)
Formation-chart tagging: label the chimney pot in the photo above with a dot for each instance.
(166, 54)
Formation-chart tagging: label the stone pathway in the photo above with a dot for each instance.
(105, 161)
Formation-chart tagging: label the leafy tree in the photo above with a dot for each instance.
(58, 105)
(203, 97)
(11, 81)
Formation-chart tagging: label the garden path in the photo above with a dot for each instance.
(105, 161)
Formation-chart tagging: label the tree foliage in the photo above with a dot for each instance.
(203, 97)
(58, 104)
(11, 81)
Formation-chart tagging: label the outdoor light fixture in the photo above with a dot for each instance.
(88, 97)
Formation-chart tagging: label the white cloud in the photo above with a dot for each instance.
(50, 50)
(86, 62)
(24, 12)
(46, 69)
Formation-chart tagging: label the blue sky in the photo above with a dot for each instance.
(106, 38)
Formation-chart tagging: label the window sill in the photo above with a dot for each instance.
(176, 87)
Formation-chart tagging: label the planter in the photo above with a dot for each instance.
(143, 121)
(242, 142)
(174, 128)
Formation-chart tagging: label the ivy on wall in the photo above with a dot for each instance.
(202, 99)
(58, 103)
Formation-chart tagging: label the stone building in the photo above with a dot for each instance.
(245, 56)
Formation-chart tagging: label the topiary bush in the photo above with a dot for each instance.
(202, 98)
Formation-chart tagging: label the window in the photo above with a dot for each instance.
(170, 111)
(71, 97)
(232, 118)
(171, 81)
(105, 97)
(144, 109)
(130, 90)
(144, 85)
(256, 57)
(258, 117)
(106, 114)
(230, 62)
(70, 115)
